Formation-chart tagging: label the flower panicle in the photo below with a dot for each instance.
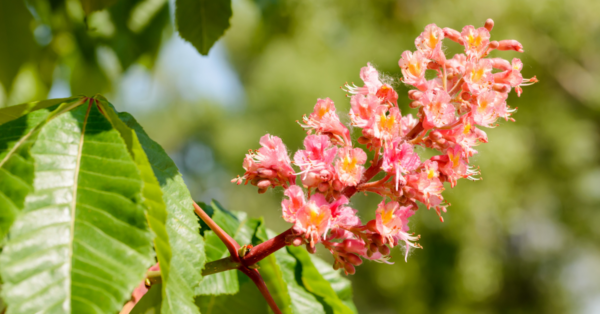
(467, 92)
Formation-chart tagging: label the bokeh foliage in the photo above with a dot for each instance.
(525, 239)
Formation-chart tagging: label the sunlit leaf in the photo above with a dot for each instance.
(202, 22)
(187, 245)
(81, 244)
(315, 282)
(16, 164)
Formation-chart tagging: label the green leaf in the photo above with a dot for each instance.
(16, 38)
(202, 22)
(224, 282)
(90, 6)
(151, 302)
(342, 286)
(282, 274)
(187, 245)
(317, 284)
(81, 244)
(17, 134)
(249, 300)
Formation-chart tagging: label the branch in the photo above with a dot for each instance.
(266, 248)
(220, 265)
(260, 283)
(368, 175)
(230, 243)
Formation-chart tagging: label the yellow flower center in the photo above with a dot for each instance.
(322, 111)
(349, 164)
(387, 216)
(430, 173)
(386, 123)
(477, 74)
(454, 158)
(473, 41)
(414, 68)
(467, 128)
(433, 40)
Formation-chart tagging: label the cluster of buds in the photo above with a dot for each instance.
(466, 92)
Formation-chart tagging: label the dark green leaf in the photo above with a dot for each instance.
(202, 22)
(81, 244)
(16, 38)
(90, 6)
(17, 134)
(182, 227)
(316, 284)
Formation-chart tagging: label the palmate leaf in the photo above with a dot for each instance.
(202, 22)
(18, 131)
(81, 244)
(186, 244)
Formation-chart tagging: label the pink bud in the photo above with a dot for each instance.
(353, 259)
(372, 226)
(465, 96)
(489, 24)
(510, 44)
(263, 184)
(453, 35)
(350, 269)
(435, 135)
(501, 88)
(325, 175)
(267, 173)
(384, 250)
(363, 140)
(337, 185)
(415, 104)
(493, 45)
(415, 94)
(378, 239)
(373, 247)
(323, 187)
(311, 249)
(297, 241)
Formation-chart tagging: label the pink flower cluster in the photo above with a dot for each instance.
(466, 92)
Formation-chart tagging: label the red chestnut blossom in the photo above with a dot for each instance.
(349, 167)
(466, 92)
(324, 120)
(438, 110)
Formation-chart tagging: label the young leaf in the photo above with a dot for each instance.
(17, 134)
(316, 284)
(90, 6)
(81, 244)
(202, 22)
(187, 246)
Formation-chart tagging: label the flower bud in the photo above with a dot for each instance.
(378, 239)
(453, 35)
(465, 96)
(501, 88)
(435, 135)
(350, 268)
(415, 94)
(336, 265)
(266, 173)
(353, 259)
(297, 230)
(337, 185)
(311, 249)
(325, 175)
(297, 241)
(489, 24)
(493, 45)
(263, 184)
(510, 44)
(373, 247)
(415, 104)
(384, 250)
(363, 140)
(372, 226)
(323, 187)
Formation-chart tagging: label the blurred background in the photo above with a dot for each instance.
(526, 239)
